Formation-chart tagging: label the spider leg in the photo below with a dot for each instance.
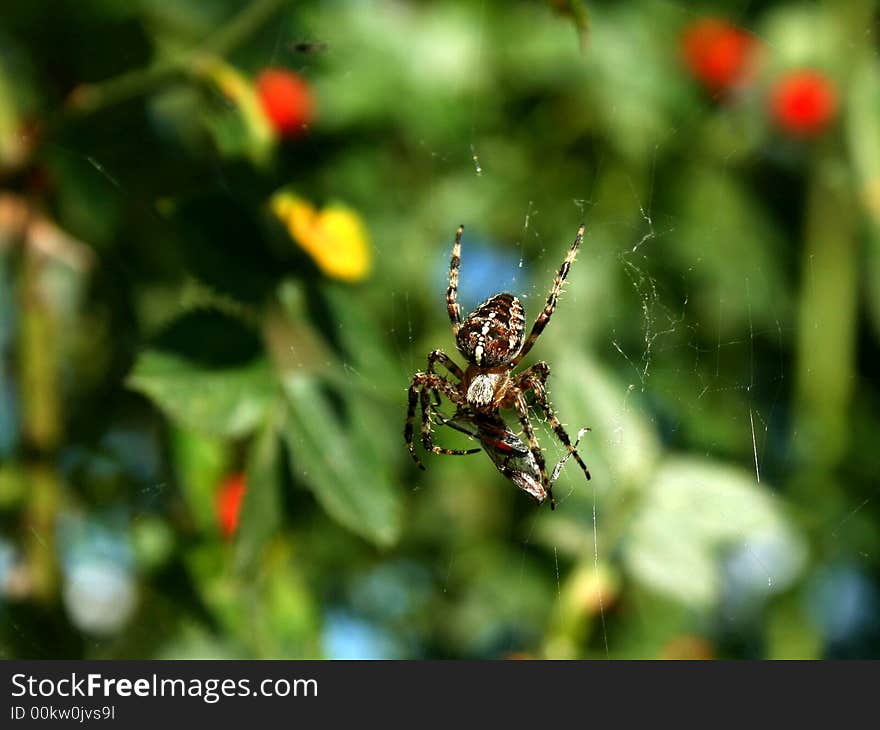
(534, 379)
(427, 441)
(437, 401)
(522, 410)
(410, 417)
(420, 389)
(555, 290)
(452, 291)
(438, 356)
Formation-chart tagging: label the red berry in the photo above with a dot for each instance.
(286, 99)
(229, 499)
(717, 53)
(804, 102)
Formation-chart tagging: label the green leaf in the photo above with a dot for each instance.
(283, 616)
(340, 462)
(200, 463)
(863, 138)
(729, 244)
(261, 510)
(585, 394)
(633, 121)
(368, 354)
(577, 11)
(692, 512)
(230, 402)
(244, 130)
(12, 150)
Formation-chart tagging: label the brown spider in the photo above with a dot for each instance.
(491, 340)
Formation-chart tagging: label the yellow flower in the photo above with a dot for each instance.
(335, 237)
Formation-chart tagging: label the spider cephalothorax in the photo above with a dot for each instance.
(491, 338)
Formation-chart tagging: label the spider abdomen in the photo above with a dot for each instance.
(493, 333)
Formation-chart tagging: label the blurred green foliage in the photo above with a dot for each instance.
(161, 329)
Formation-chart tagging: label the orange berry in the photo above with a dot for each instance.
(286, 99)
(804, 102)
(229, 499)
(717, 53)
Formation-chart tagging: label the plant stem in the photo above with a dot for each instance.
(827, 325)
(90, 98)
(39, 372)
(827, 318)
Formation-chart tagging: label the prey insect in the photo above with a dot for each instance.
(507, 450)
(492, 340)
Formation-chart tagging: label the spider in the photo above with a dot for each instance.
(491, 339)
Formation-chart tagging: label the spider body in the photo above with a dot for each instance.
(492, 340)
